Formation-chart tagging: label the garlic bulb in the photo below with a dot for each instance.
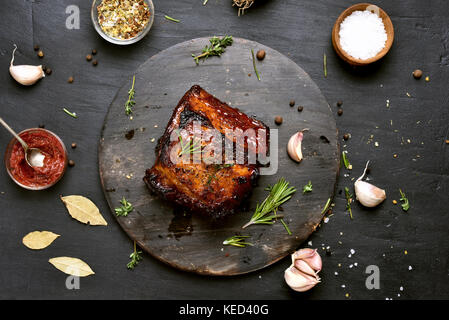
(25, 74)
(367, 194)
(302, 275)
(294, 146)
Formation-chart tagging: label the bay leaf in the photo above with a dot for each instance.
(37, 240)
(84, 210)
(72, 266)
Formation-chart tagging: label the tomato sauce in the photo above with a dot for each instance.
(54, 162)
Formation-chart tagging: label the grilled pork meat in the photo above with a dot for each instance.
(194, 168)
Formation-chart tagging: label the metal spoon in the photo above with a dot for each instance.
(31, 154)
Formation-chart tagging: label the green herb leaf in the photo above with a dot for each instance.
(348, 201)
(254, 65)
(279, 194)
(172, 19)
(72, 114)
(326, 206)
(325, 65)
(286, 227)
(345, 160)
(405, 204)
(130, 103)
(135, 258)
(307, 188)
(192, 146)
(237, 241)
(218, 167)
(125, 209)
(216, 48)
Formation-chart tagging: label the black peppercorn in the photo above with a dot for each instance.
(48, 71)
(339, 103)
(40, 54)
(346, 136)
(95, 62)
(328, 252)
(73, 145)
(89, 57)
(292, 103)
(36, 47)
(417, 74)
(71, 163)
(42, 126)
(278, 120)
(260, 54)
(340, 112)
(94, 51)
(300, 108)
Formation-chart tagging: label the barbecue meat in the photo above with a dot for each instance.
(202, 181)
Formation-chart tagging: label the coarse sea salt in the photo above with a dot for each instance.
(362, 34)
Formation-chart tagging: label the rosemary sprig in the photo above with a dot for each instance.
(125, 209)
(254, 65)
(345, 160)
(279, 193)
(216, 48)
(172, 19)
(191, 147)
(307, 188)
(237, 241)
(72, 114)
(135, 257)
(405, 205)
(130, 103)
(348, 201)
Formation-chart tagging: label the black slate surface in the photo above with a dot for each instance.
(299, 29)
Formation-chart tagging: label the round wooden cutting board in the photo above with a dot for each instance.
(195, 243)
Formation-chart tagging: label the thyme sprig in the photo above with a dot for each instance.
(349, 197)
(279, 194)
(237, 241)
(307, 188)
(135, 257)
(124, 209)
(192, 146)
(130, 103)
(326, 206)
(216, 48)
(405, 205)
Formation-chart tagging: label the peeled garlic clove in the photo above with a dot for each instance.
(294, 146)
(298, 280)
(367, 194)
(25, 74)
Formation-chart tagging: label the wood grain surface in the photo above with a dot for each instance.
(193, 242)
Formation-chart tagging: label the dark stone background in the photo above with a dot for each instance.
(299, 29)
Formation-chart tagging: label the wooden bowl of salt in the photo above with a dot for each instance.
(363, 34)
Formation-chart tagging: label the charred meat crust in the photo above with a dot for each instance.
(210, 189)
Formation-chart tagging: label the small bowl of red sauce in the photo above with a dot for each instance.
(36, 178)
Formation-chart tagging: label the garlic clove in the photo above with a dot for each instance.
(303, 254)
(304, 267)
(25, 74)
(294, 146)
(367, 194)
(298, 280)
(315, 262)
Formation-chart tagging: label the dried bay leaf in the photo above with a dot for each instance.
(84, 210)
(37, 240)
(72, 266)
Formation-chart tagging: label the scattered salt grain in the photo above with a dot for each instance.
(362, 35)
